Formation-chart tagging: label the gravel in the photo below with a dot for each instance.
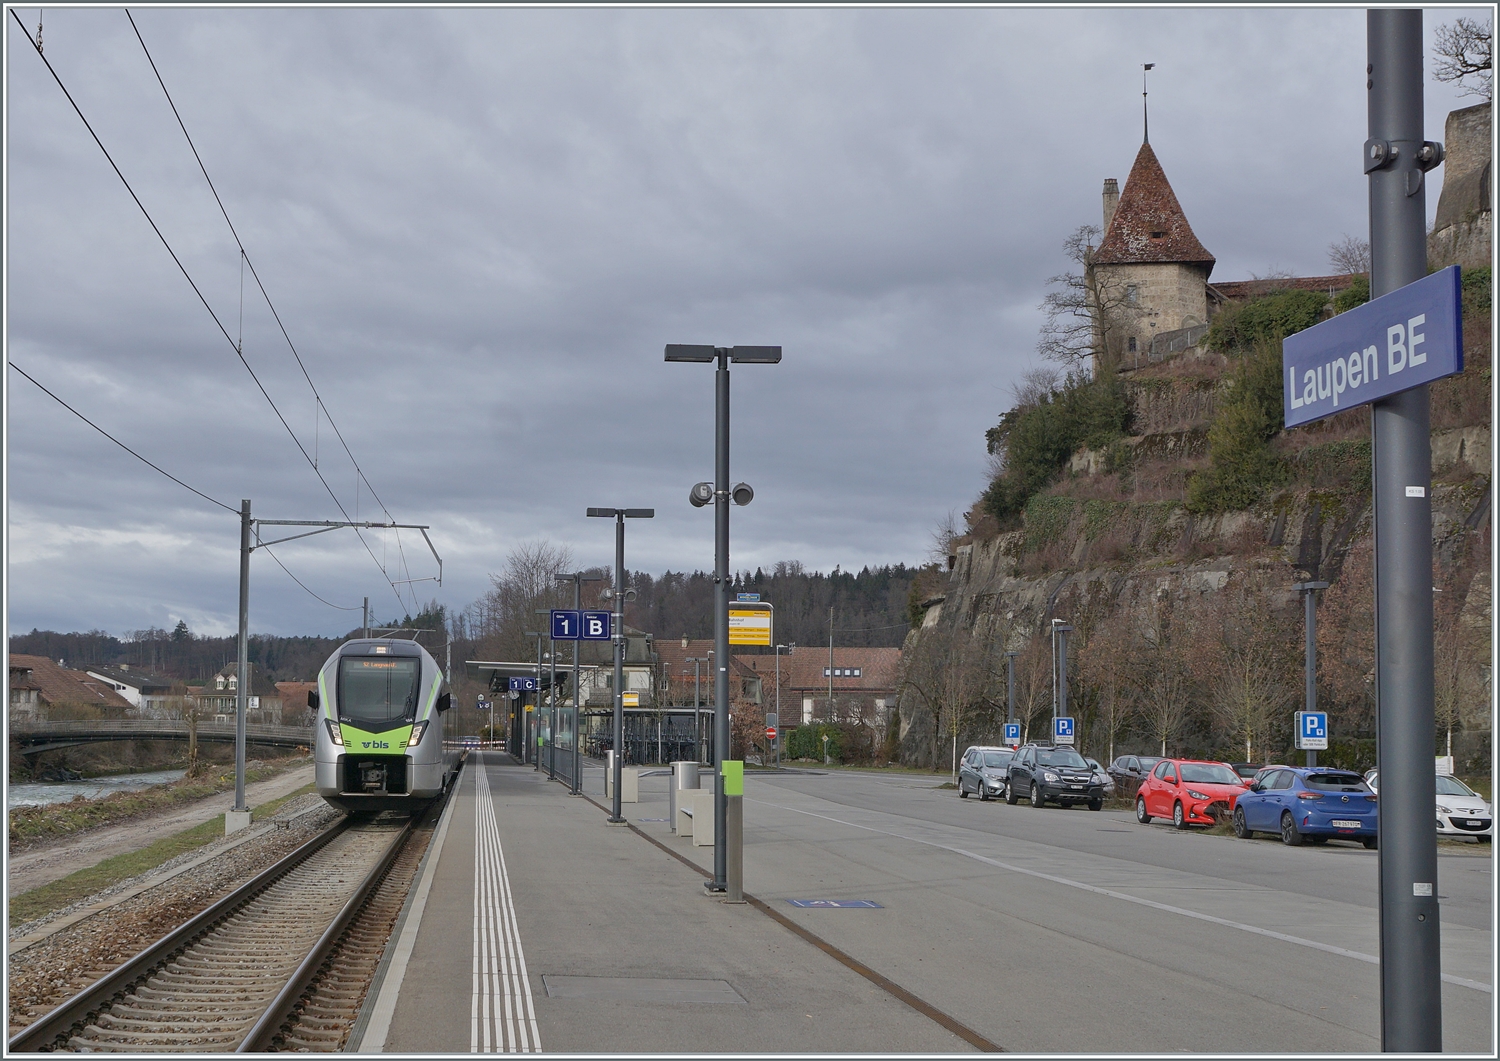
(54, 969)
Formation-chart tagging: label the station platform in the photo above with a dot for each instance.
(536, 926)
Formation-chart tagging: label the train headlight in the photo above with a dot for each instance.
(416, 734)
(333, 732)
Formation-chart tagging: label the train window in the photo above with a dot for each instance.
(376, 691)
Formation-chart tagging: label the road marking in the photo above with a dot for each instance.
(501, 1017)
(1460, 981)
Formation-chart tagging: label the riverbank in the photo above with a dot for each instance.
(28, 827)
(47, 860)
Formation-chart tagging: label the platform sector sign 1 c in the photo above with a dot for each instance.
(1401, 340)
(749, 624)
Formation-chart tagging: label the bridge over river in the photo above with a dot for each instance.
(34, 738)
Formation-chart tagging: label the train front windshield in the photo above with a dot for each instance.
(378, 692)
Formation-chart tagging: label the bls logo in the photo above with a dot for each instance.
(374, 744)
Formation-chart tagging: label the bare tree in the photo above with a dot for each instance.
(1350, 255)
(1164, 688)
(1037, 385)
(942, 537)
(1464, 51)
(1106, 662)
(1087, 311)
(501, 617)
(950, 674)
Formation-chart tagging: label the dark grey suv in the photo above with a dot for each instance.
(1050, 772)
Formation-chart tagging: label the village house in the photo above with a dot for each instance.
(41, 689)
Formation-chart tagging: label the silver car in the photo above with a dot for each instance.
(1460, 810)
(983, 771)
(1109, 782)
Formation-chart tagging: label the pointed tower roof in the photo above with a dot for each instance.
(1149, 225)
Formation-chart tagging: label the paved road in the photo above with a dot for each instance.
(1053, 930)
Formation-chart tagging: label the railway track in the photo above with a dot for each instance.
(281, 963)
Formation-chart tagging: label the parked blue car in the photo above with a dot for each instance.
(1315, 803)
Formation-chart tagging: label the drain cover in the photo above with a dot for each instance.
(640, 989)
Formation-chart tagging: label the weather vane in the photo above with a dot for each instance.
(1145, 115)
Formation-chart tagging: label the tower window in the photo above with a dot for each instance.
(1158, 235)
(1131, 294)
(1132, 344)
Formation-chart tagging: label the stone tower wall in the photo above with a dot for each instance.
(1463, 227)
(1170, 295)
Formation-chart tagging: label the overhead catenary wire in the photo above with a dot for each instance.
(299, 582)
(245, 255)
(191, 283)
(169, 475)
(117, 442)
(319, 404)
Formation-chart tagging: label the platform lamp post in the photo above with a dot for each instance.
(696, 661)
(720, 493)
(1309, 598)
(617, 594)
(534, 727)
(578, 578)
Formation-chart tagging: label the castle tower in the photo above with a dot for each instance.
(1149, 274)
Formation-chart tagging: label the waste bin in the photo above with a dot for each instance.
(684, 776)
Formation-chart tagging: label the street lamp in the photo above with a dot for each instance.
(776, 743)
(1060, 632)
(1310, 663)
(577, 578)
(618, 596)
(1010, 686)
(720, 493)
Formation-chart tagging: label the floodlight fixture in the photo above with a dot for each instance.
(756, 355)
(701, 494)
(684, 352)
(741, 494)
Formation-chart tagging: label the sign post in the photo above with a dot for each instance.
(1395, 158)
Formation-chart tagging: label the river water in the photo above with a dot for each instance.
(36, 794)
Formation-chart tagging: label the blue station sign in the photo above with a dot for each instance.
(595, 626)
(524, 685)
(567, 625)
(1412, 336)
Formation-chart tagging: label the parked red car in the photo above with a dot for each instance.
(1189, 791)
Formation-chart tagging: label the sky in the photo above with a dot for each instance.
(480, 227)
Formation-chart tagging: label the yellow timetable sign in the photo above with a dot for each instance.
(749, 625)
(630, 699)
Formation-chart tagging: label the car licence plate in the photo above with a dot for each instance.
(1075, 786)
(1476, 824)
(1345, 825)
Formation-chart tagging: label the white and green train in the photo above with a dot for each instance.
(380, 730)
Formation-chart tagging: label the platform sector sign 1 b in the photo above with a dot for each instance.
(1401, 340)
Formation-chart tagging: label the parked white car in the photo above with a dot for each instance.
(1460, 810)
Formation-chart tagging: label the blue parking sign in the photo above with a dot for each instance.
(1312, 730)
(566, 624)
(1062, 730)
(1013, 733)
(595, 626)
